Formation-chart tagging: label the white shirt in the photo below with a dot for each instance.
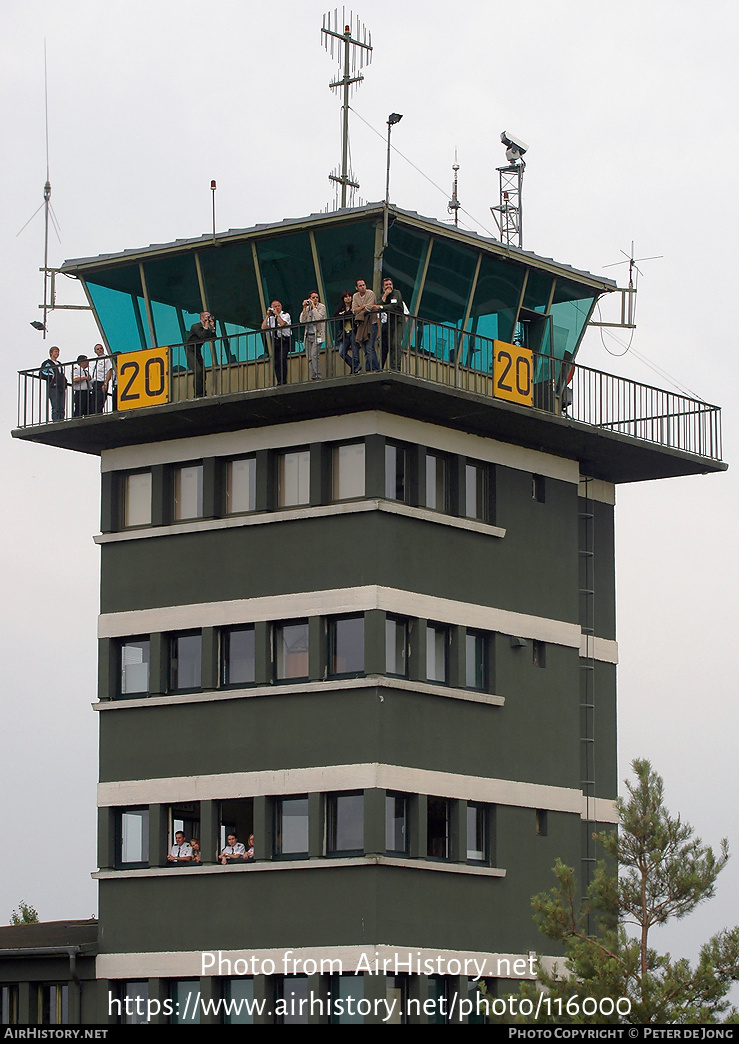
(181, 851)
(234, 850)
(101, 367)
(281, 332)
(80, 371)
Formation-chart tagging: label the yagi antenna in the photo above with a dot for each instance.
(354, 51)
(631, 260)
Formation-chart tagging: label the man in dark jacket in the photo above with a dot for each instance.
(203, 331)
(53, 373)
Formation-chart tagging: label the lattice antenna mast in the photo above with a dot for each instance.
(454, 204)
(509, 212)
(354, 52)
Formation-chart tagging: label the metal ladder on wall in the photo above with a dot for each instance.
(586, 593)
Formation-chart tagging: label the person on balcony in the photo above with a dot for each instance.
(278, 322)
(365, 318)
(101, 372)
(234, 852)
(82, 387)
(393, 309)
(348, 350)
(180, 852)
(314, 316)
(199, 333)
(56, 381)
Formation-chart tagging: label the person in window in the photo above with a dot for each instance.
(101, 372)
(348, 350)
(56, 381)
(391, 326)
(199, 333)
(234, 851)
(314, 316)
(278, 322)
(181, 851)
(82, 387)
(365, 318)
(250, 848)
(195, 846)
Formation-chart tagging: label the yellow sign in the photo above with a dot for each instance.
(513, 373)
(143, 378)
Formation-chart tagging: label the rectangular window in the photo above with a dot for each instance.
(440, 994)
(133, 998)
(239, 997)
(438, 828)
(293, 478)
(437, 645)
(539, 488)
(396, 472)
(346, 992)
(291, 826)
(137, 499)
(398, 995)
(539, 653)
(346, 645)
(396, 823)
(476, 672)
(348, 471)
(437, 482)
(135, 657)
(292, 1001)
(344, 823)
(188, 492)
(185, 656)
(396, 647)
(476, 491)
(291, 650)
(185, 995)
(9, 1005)
(542, 822)
(53, 1004)
(133, 837)
(241, 485)
(476, 833)
(237, 656)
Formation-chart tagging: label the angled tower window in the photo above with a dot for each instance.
(185, 655)
(137, 499)
(437, 660)
(346, 645)
(291, 650)
(241, 485)
(437, 482)
(188, 492)
(293, 478)
(237, 656)
(348, 471)
(396, 823)
(476, 833)
(291, 826)
(344, 823)
(476, 491)
(396, 472)
(396, 646)
(476, 666)
(135, 655)
(438, 828)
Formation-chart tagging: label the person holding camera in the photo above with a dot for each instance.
(278, 322)
(201, 332)
(314, 316)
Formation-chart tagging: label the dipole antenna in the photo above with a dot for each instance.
(454, 204)
(354, 52)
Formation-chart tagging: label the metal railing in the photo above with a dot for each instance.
(411, 345)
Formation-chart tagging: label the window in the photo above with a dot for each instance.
(291, 826)
(185, 819)
(539, 653)
(292, 1003)
(437, 482)
(476, 833)
(476, 491)
(188, 492)
(398, 995)
(291, 650)
(396, 823)
(396, 472)
(237, 818)
(135, 657)
(293, 478)
(347, 993)
(539, 488)
(440, 994)
(133, 998)
(237, 656)
(344, 823)
(137, 499)
(396, 646)
(542, 822)
(52, 1004)
(185, 653)
(8, 1005)
(185, 997)
(438, 828)
(348, 471)
(241, 485)
(476, 660)
(133, 837)
(239, 997)
(346, 645)
(437, 643)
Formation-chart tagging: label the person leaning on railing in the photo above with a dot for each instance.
(52, 372)
(314, 316)
(391, 304)
(345, 342)
(278, 322)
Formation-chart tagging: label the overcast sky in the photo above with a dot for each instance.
(629, 112)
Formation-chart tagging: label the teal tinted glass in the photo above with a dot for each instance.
(404, 259)
(287, 270)
(570, 311)
(448, 282)
(174, 294)
(233, 299)
(345, 254)
(121, 317)
(538, 291)
(494, 308)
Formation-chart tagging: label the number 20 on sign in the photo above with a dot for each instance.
(143, 378)
(513, 374)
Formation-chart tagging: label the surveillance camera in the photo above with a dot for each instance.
(512, 143)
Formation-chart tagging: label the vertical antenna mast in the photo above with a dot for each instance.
(47, 198)
(454, 204)
(509, 213)
(356, 54)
